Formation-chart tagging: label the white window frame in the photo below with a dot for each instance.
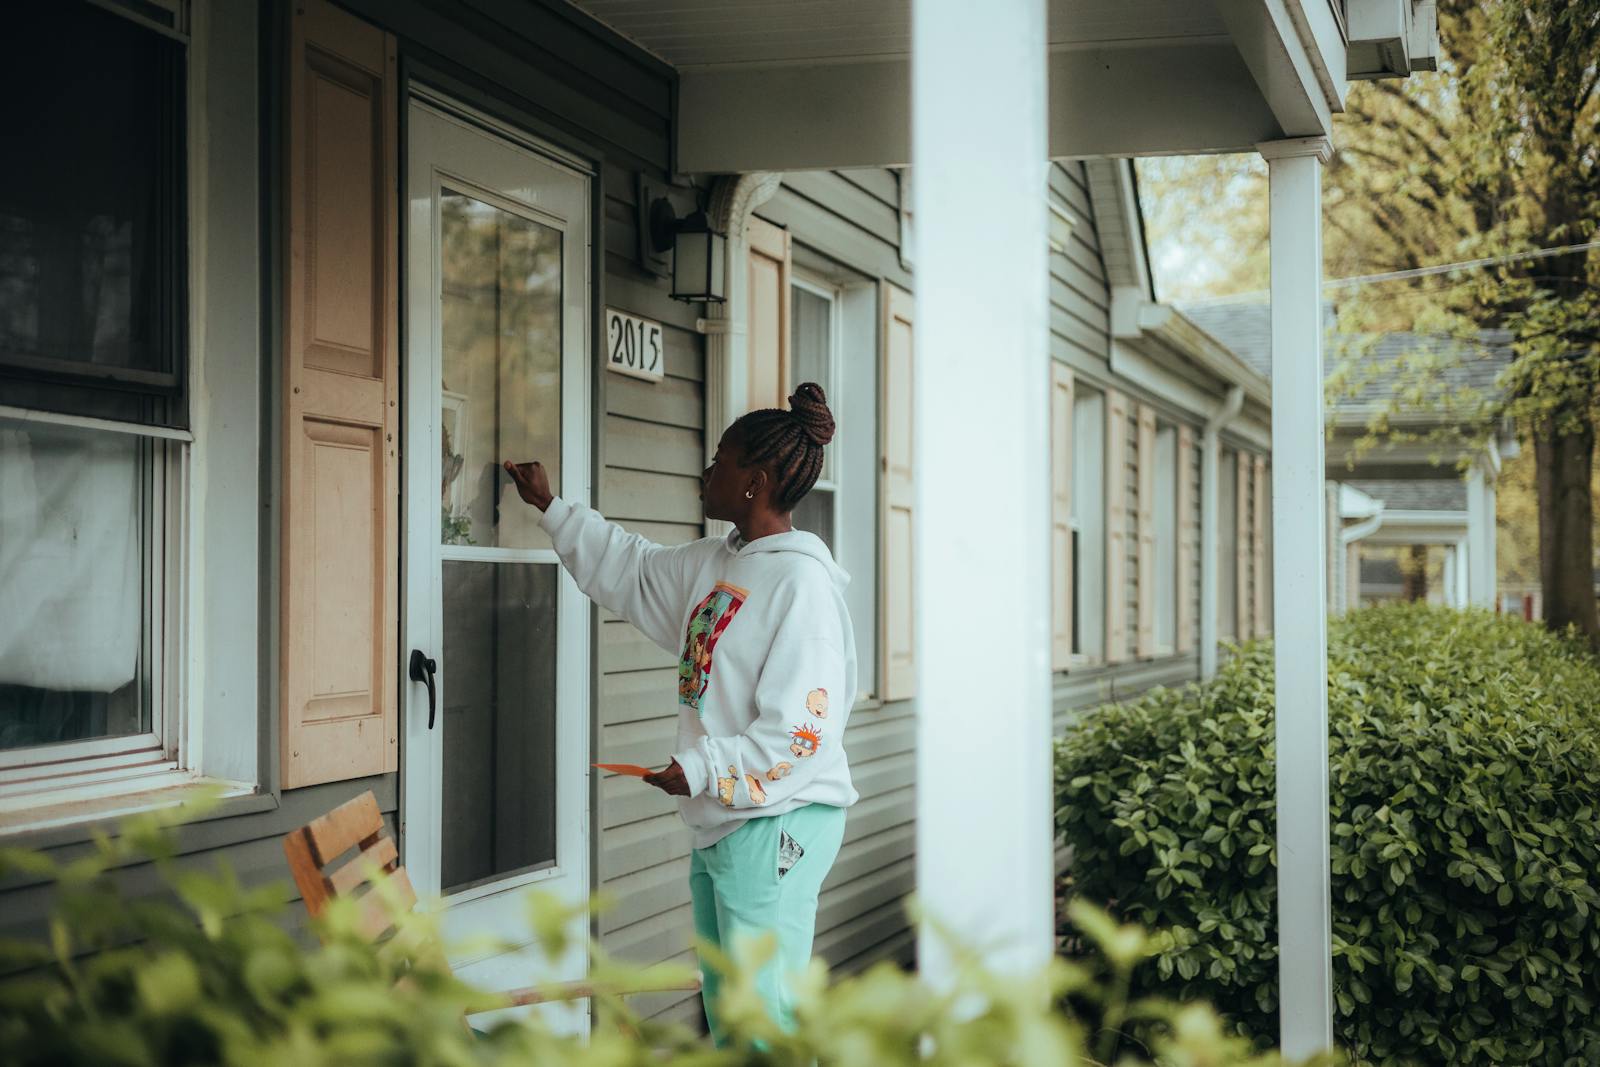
(831, 479)
(24, 771)
(56, 785)
(1092, 615)
(1168, 501)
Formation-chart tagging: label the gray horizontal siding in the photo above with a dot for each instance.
(1080, 300)
(848, 216)
(251, 845)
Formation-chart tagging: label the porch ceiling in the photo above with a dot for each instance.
(696, 34)
(807, 84)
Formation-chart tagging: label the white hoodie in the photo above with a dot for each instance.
(767, 660)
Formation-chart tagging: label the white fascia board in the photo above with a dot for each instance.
(1297, 82)
(1131, 221)
(1322, 35)
(1162, 323)
(1132, 365)
(1416, 527)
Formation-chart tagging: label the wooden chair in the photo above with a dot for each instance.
(358, 824)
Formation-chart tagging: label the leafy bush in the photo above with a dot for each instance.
(1464, 778)
(208, 976)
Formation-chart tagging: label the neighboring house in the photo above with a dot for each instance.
(274, 307)
(1394, 495)
(1381, 520)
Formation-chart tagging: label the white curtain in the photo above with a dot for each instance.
(70, 571)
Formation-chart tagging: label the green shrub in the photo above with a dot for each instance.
(208, 976)
(1464, 781)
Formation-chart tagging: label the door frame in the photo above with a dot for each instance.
(576, 639)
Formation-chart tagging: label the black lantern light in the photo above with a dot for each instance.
(698, 253)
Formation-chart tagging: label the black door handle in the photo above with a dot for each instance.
(422, 669)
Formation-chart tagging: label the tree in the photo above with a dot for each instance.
(1493, 161)
(1497, 161)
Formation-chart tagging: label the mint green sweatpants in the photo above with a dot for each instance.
(764, 878)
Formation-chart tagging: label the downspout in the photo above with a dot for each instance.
(1347, 540)
(734, 198)
(1210, 458)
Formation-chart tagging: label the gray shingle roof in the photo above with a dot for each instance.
(1371, 364)
(1443, 494)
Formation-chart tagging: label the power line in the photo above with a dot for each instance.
(1450, 268)
(1401, 275)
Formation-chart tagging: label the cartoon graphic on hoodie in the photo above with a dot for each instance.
(817, 703)
(706, 625)
(807, 739)
(793, 641)
(725, 787)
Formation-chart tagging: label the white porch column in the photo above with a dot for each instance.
(1300, 591)
(982, 452)
(1481, 576)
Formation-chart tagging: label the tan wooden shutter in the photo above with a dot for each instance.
(340, 502)
(768, 320)
(1188, 529)
(896, 611)
(1145, 639)
(1116, 527)
(1061, 515)
(1241, 547)
(1258, 546)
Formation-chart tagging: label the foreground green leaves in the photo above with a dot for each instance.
(194, 969)
(1464, 786)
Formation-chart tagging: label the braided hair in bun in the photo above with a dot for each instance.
(789, 442)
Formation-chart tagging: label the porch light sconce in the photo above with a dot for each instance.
(699, 262)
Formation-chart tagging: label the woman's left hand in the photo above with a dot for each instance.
(671, 780)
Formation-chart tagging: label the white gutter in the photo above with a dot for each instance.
(1361, 530)
(1348, 569)
(1210, 457)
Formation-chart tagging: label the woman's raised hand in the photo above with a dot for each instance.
(533, 484)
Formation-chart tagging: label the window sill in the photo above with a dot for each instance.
(66, 815)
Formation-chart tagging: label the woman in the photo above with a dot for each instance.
(766, 678)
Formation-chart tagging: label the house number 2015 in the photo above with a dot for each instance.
(634, 346)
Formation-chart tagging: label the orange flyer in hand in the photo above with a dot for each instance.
(625, 768)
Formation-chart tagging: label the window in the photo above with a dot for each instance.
(1088, 525)
(1167, 534)
(813, 348)
(833, 341)
(93, 399)
(1228, 544)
